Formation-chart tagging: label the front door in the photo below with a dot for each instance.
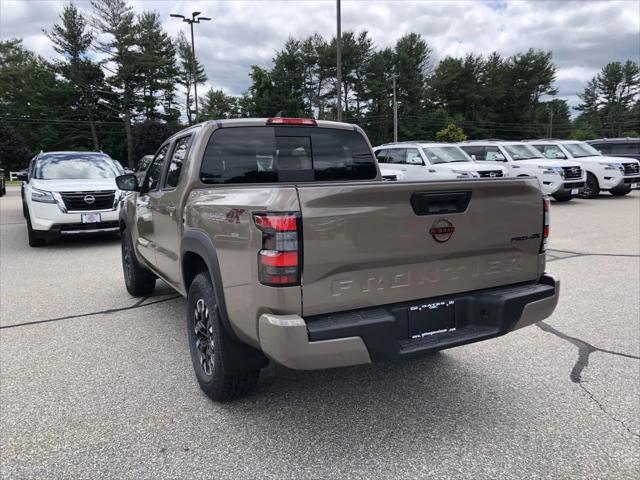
(146, 204)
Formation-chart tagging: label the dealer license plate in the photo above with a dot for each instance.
(90, 218)
(431, 318)
(574, 191)
(634, 185)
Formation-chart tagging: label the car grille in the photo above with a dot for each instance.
(569, 185)
(571, 173)
(74, 227)
(631, 168)
(490, 173)
(77, 201)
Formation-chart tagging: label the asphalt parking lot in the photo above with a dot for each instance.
(96, 383)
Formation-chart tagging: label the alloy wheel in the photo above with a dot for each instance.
(203, 329)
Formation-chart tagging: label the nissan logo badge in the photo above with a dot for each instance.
(89, 199)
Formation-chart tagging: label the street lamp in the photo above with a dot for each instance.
(339, 60)
(194, 19)
(394, 77)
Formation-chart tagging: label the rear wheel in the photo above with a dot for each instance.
(591, 187)
(138, 280)
(222, 377)
(620, 191)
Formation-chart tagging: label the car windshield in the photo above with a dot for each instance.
(76, 166)
(445, 155)
(522, 152)
(581, 149)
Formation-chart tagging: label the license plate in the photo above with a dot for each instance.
(431, 318)
(574, 191)
(634, 185)
(90, 218)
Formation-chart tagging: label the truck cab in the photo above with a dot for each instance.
(561, 179)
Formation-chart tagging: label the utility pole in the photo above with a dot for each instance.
(194, 19)
(395, 109)
(339, 60)
(550, 120)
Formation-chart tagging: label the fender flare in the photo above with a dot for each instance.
(235, 350)
(198, 242)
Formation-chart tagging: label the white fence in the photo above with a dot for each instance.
(13, 176)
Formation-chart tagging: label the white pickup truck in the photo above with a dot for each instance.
(418, 161)
(617, 175)
(562, 179)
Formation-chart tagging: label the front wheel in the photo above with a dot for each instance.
(35, 240)
(621, 191)
(591, 187)
(562, 198)
(222, 377)
(138, 280)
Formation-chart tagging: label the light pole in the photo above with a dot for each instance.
(339, 60)
(194, 19)
(395, 109)
(550, 120)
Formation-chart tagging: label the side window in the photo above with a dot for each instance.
(413, 157)
(551, 151)
(396, 155)
(155, 170)
(177, 160)
(624, 148)
(492, 154)
(604, 148)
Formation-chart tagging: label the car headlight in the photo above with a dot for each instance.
(613, 166)
(466, 174)
(42, 196)
(552, 171)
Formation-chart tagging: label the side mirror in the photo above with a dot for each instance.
(500, 158)
(473, 157)
(128, 182)
(24, 177)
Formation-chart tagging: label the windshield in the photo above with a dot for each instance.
(522, 152)
(76, 166)
(446, 155)
(581, 149)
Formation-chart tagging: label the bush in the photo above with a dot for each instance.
(451, 134)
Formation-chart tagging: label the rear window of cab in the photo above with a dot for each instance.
(286, 154)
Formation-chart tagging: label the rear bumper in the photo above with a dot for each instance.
(382, 333)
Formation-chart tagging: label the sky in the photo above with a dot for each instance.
(583, 35)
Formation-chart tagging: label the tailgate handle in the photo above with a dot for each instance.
(437, 203)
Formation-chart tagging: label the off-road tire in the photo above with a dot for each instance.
(34, 239)
(208, 340)
(139, 280)
(591, 188)
(620, 192)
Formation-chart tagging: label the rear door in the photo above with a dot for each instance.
(379, 243)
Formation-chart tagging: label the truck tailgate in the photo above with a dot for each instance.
(378, 243)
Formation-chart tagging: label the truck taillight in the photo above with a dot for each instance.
(279, 260)
(545, 224)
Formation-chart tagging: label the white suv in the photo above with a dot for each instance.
(430, 161)
(562, 179)
(617, 175)
(70, 192)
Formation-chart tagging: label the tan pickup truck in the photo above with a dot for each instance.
(290, 247)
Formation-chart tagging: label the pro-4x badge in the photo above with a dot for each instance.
(442, 230)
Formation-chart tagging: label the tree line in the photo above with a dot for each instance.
(122, 85)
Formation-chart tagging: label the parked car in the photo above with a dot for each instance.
(290, 247)
(562, 179)
(70, 192)
(617, 147)
(618, 176)
(430, 160)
